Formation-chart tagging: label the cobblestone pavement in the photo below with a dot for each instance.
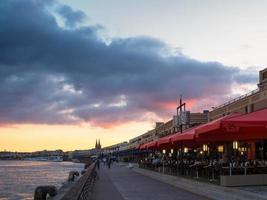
(121, 183)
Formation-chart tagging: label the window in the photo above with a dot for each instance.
(251, 107)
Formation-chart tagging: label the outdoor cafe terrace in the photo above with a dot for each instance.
(231, 150)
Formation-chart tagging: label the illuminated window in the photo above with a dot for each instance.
(220, 148)
(244, 149)
(235, 145)
(205, 147)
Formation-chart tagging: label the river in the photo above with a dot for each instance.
(18, 179)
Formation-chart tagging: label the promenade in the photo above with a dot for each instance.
(121, 183)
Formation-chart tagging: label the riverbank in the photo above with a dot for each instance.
(20, 178)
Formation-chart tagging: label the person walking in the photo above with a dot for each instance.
(105, 161)
(98, 164)
(109, 162)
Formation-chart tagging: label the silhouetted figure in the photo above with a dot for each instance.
(98, 164)
(109, 162)
(105, 161)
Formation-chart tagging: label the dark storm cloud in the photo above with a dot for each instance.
(52, 74)
(71, 17)
(247, 77)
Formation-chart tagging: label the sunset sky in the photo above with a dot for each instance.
(73, 71)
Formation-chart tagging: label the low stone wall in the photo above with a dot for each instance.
(244, 180)
(81, 190)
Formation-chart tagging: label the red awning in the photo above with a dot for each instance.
(149, 145)
(186, 135)
(165, 141)
(250, 126)
(257, 118)
(214, 125)
(142, 146)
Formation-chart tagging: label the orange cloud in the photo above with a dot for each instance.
(172, 105)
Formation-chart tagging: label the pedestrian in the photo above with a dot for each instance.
(109, 162)
(98, 164)
(105, 161)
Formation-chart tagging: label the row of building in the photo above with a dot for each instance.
(161, 129)
(253, 101)
(21, 155)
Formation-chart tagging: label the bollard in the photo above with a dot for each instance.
(72, 175)
(41, 192)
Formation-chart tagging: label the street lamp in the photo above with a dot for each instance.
(205, 147)
(235, 144)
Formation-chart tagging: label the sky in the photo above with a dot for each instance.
(72, 71)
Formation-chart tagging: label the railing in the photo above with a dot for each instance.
(82, 189)
(208, 171)
(237, 99)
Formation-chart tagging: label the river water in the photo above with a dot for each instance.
(18, 179)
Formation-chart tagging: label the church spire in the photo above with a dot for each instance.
(99, 145)
(96, 144)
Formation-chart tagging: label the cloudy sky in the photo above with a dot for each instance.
(73, 71)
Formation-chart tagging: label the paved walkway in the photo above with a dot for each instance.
(121, 183)
(104, 189)
(213, 191)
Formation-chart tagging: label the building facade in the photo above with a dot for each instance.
(253, 101)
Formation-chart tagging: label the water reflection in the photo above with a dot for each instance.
(18, 179)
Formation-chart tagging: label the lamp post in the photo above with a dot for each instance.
(182, 160)
(262, 150)
(180, 109)
(163, 162)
